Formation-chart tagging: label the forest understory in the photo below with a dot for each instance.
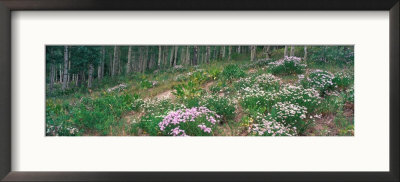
(200, 91)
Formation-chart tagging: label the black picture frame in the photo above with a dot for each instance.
(7, 6)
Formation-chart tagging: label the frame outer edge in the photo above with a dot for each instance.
(5, 90)
(394, 90)
(5, 102)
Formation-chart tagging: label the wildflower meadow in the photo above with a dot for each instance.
(187, 91)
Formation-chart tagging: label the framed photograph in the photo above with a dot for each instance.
(174, 90)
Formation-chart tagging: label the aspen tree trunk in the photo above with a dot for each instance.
(230, 52)
(65, 79)
(194, 55)
(133, 62)
(285, 53)
(60, 75)
(76, 80)
(147, 60)
(238, 50)
(187, 55)
(69, 67)
(145, 56)
(52, 74)
(175, 55)
(103, 60)
(171, 56)
(159, 57)
(266, 51)
(253, 52)
(114, 62)
(291, 50)
(119, 61)
(128, 64)
(182, 56)
(305, 53)
(208, 54)
(99, 66)
(91, 68)
(222, 54)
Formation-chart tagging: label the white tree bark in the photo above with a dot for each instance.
(128, 64)
(267, 52)
(291, 50)
(252, 53)
(65, 79)
(229, 53)
(114, 62)
(159, 57)
(285, 53)
(90, 79)
(175, 55)
(305, 53)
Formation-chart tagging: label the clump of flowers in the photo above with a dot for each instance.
(267, 126)
(306, 97)
(60, 130)
(268, 82)
(287, 66)
(256, 99)
(320, 80)
(291, 115)
(196, 121)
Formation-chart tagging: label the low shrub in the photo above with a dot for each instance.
(342, 80)
(266, 126)
(291, 115)
(287, 66)
(320, 80)
(232, 71)
(306, 97)
(223, 106)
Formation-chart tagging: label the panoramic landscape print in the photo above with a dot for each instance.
(199, 90)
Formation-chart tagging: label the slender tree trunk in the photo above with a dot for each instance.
(171, 56)
(90, 79)
(60, 75)
(128, 64)
(182, 55)
(187, 55)
(291, 50)
(76, 80)
(208, 54)
(65, 79)
(175, 55)
(230, 52)
(52, 74)
(285, 53)
(114, 61)
(103, 60)
(159, 57)
(146, 59)
(238, 50)
(305, 53)
(252, 53)
(266, 51)
(194, 55)
(119, 61)
(69, 67)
